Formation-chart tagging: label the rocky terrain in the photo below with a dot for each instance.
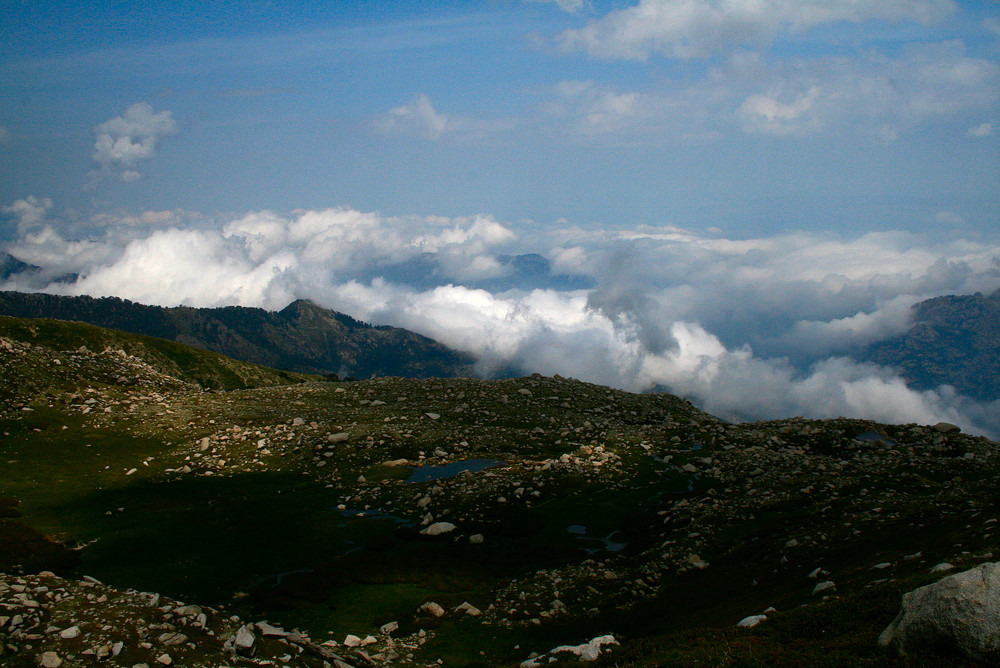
(953, 342)
(149, 519)
(302, 337)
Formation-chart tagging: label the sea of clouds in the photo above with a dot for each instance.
(752, 328)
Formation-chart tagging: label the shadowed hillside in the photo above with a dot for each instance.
(302, 337)
(955, 341)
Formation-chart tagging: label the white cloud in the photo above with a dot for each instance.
(869, 95)
(570, 6)
(949, 218)
(597, 109)
(30, 212)
(768, 114)
(750, 327)
(839, 335)
(419, 118)
(981, 130)
(698, 28)
(147, 219)
(873, 95)
(124, 141)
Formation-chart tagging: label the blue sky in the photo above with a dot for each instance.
(793, 116)
(722, 197)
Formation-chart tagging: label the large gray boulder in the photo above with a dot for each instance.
(959, 613)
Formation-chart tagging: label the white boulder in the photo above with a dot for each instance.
(960, 612)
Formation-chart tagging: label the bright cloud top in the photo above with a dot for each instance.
(751, 328)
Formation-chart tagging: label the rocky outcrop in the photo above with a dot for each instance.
(953, 342)
(959, 613)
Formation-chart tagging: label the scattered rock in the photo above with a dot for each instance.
(70, 633)
(469, 609)
(438, 528)
(751, 621)
(947, 428)
(432, 608)
(396, 462)
(589, 651)
(245, 642)
(50, 660)
(827, 587)
(696, 561)
(269, 631)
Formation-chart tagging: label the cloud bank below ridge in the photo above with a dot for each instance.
(748, 328)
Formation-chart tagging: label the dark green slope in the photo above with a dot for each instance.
(78, 352)
(302, 337)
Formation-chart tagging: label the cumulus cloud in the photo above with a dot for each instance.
(698, 28)
(750, 328)
(124, 141)
(30, 212)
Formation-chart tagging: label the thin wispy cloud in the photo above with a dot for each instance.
(688, 29)
(565, 5)
(421, 119)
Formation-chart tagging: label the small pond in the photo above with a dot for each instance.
(442, 471)
(607, 543)
(873, 437)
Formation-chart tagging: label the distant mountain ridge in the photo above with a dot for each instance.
(302, 337)
(955, 341)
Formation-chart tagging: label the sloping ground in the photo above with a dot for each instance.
(581, 511)
(42, 354)
(955, 341)
(302, 337)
